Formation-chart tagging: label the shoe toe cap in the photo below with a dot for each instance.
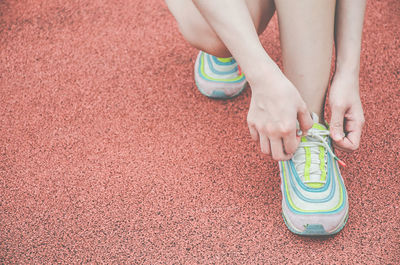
(315, 224)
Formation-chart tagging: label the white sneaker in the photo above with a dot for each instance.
(218, 77)
(314, 197)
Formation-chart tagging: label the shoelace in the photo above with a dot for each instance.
(299, 159)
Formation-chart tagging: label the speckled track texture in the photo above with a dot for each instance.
(109, 153)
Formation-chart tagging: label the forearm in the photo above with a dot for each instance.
(348, 31)
(239, 35)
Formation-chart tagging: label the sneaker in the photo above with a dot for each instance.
(314, 198)
(218, 77)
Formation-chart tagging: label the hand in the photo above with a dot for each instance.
(347, 114)
(275, 107)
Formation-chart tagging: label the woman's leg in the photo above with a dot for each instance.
(306, 33)
(198, 32)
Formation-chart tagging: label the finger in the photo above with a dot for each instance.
(353, 135)
(253, 133)
(265, 145)
(352, 140)
(305, 120)
(290, 143)
(277, 150)
(345, 144)
(336, 124)
(338, 146)
(353, 125)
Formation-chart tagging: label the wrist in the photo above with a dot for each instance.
(347, 68)
(345, 81)
(351, 75)
(263, 73)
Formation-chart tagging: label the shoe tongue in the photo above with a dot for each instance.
(317, 125)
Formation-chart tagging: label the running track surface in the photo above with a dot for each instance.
(109, 154)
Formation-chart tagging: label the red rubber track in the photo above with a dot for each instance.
(109, 154)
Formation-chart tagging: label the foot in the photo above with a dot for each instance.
(218, 77)
(314, 197)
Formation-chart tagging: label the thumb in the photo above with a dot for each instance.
(336, 124)
(305, 120)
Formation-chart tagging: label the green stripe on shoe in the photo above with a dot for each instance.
(224, 60)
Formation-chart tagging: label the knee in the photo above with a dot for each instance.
(203, 38)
